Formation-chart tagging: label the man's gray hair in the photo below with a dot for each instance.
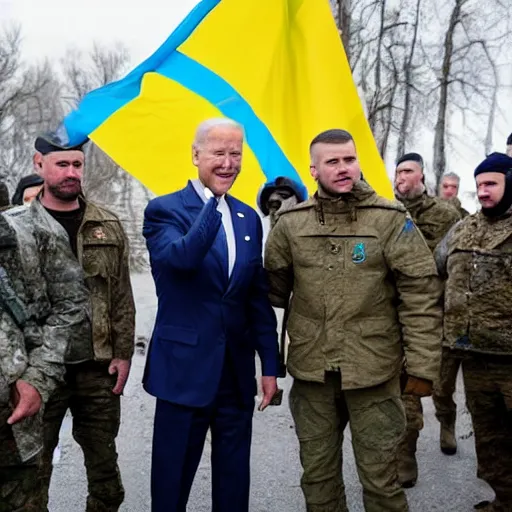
(452, 175)
(204, 128)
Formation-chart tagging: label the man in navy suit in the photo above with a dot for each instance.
(213, 315)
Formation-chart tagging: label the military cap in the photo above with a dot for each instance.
(281, 182)
(495, 162)
(52, 141)
(410, 157)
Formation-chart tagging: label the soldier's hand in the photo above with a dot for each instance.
(26, 400)
(122, 368)
(418, 387)
(269, 388)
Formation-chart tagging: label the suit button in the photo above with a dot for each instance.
(330, 267)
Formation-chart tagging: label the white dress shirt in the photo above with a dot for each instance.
(227, 222)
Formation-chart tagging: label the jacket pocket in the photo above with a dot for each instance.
(172, 333)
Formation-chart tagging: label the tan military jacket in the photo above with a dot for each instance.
(433, 216)
(476, 259)
(103, 252)
(364, 290)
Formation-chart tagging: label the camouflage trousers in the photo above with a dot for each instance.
(446, 408)
(96, 415)
(488, 385)
(377, 423)
(17, 479)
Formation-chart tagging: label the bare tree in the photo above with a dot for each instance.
(342, 14)
(28, 101)
(104, 181)
(468, 76)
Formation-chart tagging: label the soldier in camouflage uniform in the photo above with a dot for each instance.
(98, 366)
(280, 195)
(347, 257)
(434, 218)
(449, 190)
(42, 310)
(476, 260)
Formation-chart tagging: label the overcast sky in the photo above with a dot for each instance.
(49, 27)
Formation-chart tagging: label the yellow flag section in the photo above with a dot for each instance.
(285, 58)
(151, 137)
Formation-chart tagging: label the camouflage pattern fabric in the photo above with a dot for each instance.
(476, 257)
(104, 255)
(488, 385)
(96, 415)
(348, 263)
(33, 351)
(433, 216)
(455, 201)
(377, 423)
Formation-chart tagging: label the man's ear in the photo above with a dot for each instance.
(195, 155)
(313, 171)
(38, 162)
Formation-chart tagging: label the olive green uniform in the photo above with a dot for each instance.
(476, 259)
(364, 290)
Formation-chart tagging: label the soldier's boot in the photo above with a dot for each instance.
(447, 438)
(407, 464)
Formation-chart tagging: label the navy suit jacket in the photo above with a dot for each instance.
(200, 310)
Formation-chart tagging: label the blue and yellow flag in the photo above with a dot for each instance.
(275, 66)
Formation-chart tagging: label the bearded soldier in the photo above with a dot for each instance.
(434, 218)
(280, 195)
(476, 260)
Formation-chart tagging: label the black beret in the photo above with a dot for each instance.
(495, 162)
(410, 157)
(32, 180)
(509, 140)
(269, 188)
(51, 142)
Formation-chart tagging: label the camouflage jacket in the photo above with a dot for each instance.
(364, 289)
(455, 201)
(433, 216)
(103, 253)
(34, 350)
(476, 259)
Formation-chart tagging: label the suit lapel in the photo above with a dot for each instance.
(193, 205)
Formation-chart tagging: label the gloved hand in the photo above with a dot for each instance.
(417, 387)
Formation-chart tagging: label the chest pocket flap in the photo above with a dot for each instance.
(101, 251)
